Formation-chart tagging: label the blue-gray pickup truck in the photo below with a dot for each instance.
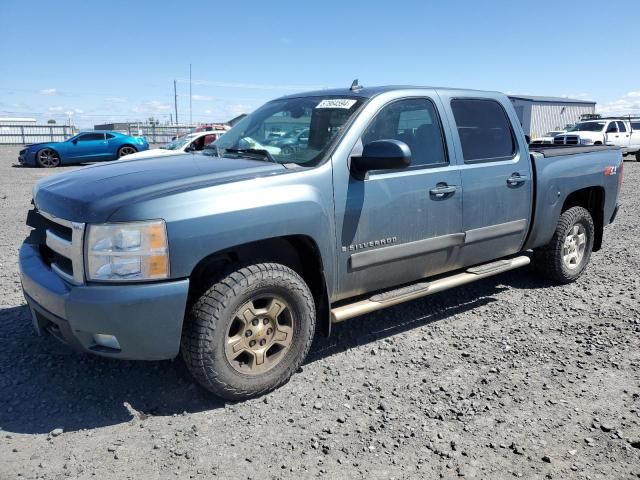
(238, 256)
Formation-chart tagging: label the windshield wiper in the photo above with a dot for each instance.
(259, 151)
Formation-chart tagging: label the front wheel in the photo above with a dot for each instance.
(126, 150)
(566, 256)
(48, 158)
(249, 332)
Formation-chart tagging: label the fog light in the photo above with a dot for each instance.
(108, 341)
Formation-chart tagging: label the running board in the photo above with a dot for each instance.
(424, 288)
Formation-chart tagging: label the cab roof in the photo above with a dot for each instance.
(370, 92)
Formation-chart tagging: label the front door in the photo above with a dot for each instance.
(89, 146)
(613, 137)
(496, 177)
(394, 227)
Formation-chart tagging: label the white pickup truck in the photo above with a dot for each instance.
(605, 131)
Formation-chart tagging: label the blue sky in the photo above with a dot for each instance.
(116, 60)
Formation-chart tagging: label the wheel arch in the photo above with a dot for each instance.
(592, 199)
(298, 252)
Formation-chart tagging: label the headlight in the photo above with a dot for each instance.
(127, 251)
(586, 141)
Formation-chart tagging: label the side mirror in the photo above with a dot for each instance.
(74, 141)
(381, 155)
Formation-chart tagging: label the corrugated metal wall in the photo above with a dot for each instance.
(554, 116)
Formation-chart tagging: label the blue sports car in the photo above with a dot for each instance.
(91, 146)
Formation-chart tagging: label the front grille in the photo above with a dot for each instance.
(60, 243)
(566, 140)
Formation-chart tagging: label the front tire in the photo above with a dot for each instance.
(249, 332)
(126, 150)
(48, 158)
(566, 256)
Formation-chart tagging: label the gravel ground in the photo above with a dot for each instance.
(510, 377)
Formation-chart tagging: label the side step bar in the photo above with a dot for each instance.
(424, 288)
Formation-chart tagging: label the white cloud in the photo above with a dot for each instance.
(204, 98)
(49, 91)
(154, 106)
(207, 111)
(55, 109)
(629, 104)
(116, 99)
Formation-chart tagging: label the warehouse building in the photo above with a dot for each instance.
(539, 115)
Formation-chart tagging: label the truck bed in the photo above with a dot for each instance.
(559, 150)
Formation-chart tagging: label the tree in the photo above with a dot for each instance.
(51, 121)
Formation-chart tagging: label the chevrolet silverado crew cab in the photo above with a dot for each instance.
(605, 131)
(238, 256)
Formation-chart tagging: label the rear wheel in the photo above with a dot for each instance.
(566, 256)
(287, 151)
(250, 331)
(48, 158)
(126, 150)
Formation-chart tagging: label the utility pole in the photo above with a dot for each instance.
(175, 100)
(190, 99)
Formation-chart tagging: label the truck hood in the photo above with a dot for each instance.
(92, 194)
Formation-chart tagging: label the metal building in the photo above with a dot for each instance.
(539, 115)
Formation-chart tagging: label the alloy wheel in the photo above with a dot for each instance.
(260, 335)
(574, 246)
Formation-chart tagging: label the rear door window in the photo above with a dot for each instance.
(484, 129)
(621, 127)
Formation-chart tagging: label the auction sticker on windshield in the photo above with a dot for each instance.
(337, 103)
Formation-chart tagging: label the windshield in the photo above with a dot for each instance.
(587, 127)
(178, 142)
(321, 117)
(552, 134)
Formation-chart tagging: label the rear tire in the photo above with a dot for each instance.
(249, 332)
(566, 256)
(638, 156)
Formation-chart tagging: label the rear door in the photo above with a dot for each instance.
(634, 135)
(496, 178)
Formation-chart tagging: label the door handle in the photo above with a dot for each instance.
(441, 190)
(516, 179)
